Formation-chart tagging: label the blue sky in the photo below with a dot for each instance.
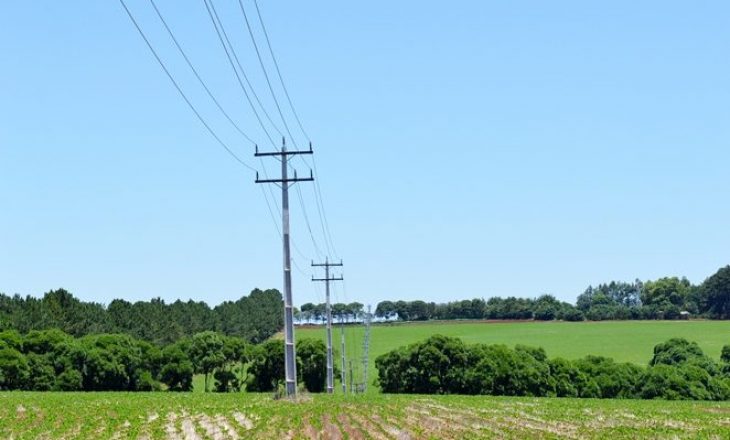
(465, 149)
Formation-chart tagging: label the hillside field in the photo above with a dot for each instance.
(32, 415)
(625, 341)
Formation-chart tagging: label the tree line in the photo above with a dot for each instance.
(254, 318)
(444, 365)
(665, 298)
(46, 360)
(311, 312)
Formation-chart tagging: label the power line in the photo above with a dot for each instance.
(317, 250)
(180, 91)
(278, 71)
(197, 75)
(325, 223)
(266, 74)
(318, 192)
(203, 121)
(231, 55)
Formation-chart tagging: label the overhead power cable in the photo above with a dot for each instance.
(195, 111)
(281, 114)
(197, 75)
(180, 91)
(329, 242)
(231, 55)
(278, 71)
(266, 74)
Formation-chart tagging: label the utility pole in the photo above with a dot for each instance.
(366, 349)
(352, 384)
(290, 363)
(328, 307)
(342, 373)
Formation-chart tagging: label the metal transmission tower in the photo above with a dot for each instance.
(366, 350)
(327, 279)
(284, 183)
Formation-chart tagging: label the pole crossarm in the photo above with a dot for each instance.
(283, 153)
(328, 279)
(327, 264)
(294, 180)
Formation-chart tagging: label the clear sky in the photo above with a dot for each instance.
(464, 149)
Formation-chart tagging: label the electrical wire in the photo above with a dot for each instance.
(180, 91)
(197, 75)
(266, 74)
(309, 227)
(317, 188)
(231, 55)
(199, 116)
(278, 71)
(217, 103)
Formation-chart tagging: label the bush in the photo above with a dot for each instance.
(312, 364)
(69, 380)
(678, 351)
(614, 380)
(14, 370)
(226, 381)
(41, 374)
(571, 381)
(572, 314)
(267, 366)
(442, 365)
(177, 370)
(146, 382)
(725, 355)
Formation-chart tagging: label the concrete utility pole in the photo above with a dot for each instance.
(328, 307)
(342, 373)
(290, 363)
(366, 350)
(352, 383)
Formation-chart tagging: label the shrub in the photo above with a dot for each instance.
(725, 355)
(312, 365)
(226, 381)
(69, 380)
(14, 369)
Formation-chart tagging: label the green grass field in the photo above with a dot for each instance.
(625, 341)
(26, 415)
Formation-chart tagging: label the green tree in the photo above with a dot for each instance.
(206, 353)
(177, 370)
(14, 370)
(666, 292)
(41, 376)
(312, 364)
(716, 294)
(385, 310)
(266, 367)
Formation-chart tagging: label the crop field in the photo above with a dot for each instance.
(25, 415)
(625, 341)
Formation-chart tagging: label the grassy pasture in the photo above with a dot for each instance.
(625, 341)
(27, 415)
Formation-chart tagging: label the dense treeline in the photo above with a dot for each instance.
(45, 360)
(665, 298)
(443, 365)
(254, 318)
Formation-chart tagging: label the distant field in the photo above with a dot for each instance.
(625, 341)
(25, 415)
